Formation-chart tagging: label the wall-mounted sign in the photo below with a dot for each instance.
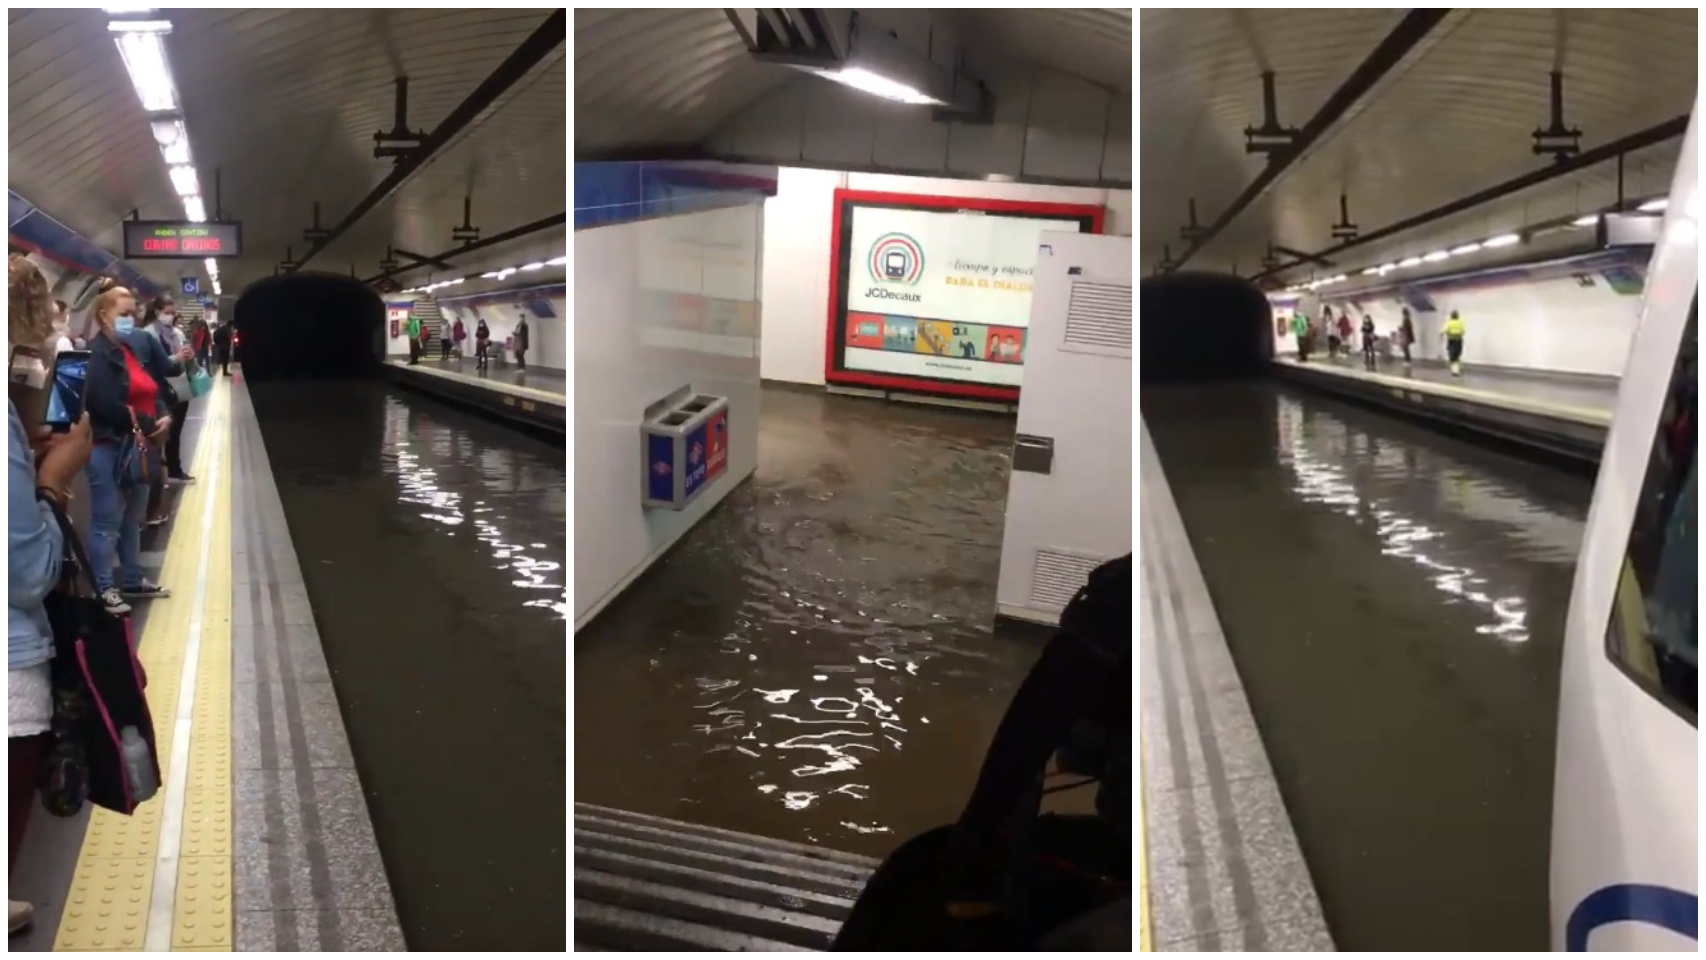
(191, 286)
(173, 239)
(934, 293)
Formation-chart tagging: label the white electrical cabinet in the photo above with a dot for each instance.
(1070, 497)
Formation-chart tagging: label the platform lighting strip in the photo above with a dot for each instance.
(141, 44)
(1656, 205)
(503, 274)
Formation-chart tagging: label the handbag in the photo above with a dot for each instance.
(138, 462)
(102, 748)
(200, 381)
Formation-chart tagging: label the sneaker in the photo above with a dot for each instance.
(180, 479)
(156, 521)
(146, 591)
(114, 601)
(18, 915)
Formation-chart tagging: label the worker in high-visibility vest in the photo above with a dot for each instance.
(1454, 343)
(1300, 330)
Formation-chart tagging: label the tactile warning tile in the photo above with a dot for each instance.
(112, 887)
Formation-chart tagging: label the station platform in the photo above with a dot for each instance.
(533, 397)
(260, 837)
(1221, 860)
(1562, 414)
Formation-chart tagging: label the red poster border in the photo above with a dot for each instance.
(923, 201)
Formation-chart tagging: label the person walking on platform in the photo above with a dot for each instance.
(1300, 333)
(482, 345)
(1406, 336)
(1454, 329)
(39, 465)
(412, 330)
(1368, 341)
(521, 343)
(222, 347)
(1345, 332)
(443, 344)
(1332, 331)
(459, 334)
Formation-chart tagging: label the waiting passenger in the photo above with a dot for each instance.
(222, 347)
(162, 323)
(412, 330)
(34, 546)
(459, 334)
(1300, 333)
(521, 338)
(129, 424)
(482, 345)
(1454, 330)
(1368, 341)
(1345, 332)
(1406, 336)
(1331, 328)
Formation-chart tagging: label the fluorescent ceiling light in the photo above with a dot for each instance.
(489, 276)
(878, 86)
(1586, 221)
(556, 261)
(1410, 262)
(212, 266)
(1502, 240)
(145, 59)
(1387, 267)
(1654, 206)
(121, 11)
(1371, 271)
(1435, 257)
(169, 132)
(183, 180)
(533, 266)
(195, 210)
(1465, 249)
(154, 27)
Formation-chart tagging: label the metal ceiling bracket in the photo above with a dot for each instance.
(316, 233)
(1344, 229)
(289, 264)
(1271, 137)
(390, 262)
(399, 142)
(1562, 142)
(467, 233)
(1270, 261)
(1192, 229)
(1166, 265)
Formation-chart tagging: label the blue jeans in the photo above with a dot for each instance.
(116, 516)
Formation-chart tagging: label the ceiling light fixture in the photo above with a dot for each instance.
(184, 180)
(1586, 221)
(879, 86)
(1654, 206)
(194, 210)
(1465, 250)
(1410, 262)
(1502, 240)
(1435, 257)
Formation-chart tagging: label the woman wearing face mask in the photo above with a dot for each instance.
(126, 367)
(34, 545)
(162, 323)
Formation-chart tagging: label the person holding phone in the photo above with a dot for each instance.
(125, 370)
(34, 546)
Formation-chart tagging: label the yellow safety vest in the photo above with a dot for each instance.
(1454, 328)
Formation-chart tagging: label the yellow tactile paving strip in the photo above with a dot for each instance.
(1143, 939)
(113, 889)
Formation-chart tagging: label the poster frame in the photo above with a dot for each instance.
(1091, 217)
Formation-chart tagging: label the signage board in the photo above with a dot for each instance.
(181, 239)
(191, 286)
(934, 293)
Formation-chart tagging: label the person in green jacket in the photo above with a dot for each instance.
(1453, 332)
(413, 330)
(1300, 331)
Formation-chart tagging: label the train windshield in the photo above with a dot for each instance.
(1653, 632)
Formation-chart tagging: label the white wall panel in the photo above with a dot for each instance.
(660, 305)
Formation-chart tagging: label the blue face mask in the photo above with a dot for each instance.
(124, 324)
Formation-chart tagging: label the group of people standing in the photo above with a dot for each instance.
(418, 336)
(1339, 334)
(126, 444)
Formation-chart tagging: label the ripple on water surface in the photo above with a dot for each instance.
(816, 661)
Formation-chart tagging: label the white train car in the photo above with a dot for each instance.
(1625, 825)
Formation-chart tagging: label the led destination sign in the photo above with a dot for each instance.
(169, 239)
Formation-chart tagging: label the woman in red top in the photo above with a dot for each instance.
(123, 394)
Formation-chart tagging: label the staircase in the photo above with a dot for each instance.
(647, 883)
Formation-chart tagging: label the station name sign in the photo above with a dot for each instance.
(171, 239)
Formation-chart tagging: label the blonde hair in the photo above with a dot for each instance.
(110, 296)
(31, 311)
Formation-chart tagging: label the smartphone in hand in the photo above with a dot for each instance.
(66, 388)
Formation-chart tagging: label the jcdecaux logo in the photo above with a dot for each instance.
(896, 258)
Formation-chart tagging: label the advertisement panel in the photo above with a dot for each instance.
(934, 293)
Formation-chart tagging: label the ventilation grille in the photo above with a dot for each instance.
(1098, 318)
(1057, 577)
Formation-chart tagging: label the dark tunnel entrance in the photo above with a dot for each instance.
(1202, 326)
(309, 325)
